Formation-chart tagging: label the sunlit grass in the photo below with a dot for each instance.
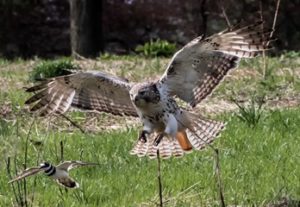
(258, 165)
(259, 162)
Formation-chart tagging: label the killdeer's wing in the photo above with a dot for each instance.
(68, 165)
(67, 182)
(26, 173)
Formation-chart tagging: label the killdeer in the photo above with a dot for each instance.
(59, 173)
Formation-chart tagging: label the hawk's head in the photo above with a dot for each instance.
(144, 94)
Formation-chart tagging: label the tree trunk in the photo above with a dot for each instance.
(86, 27)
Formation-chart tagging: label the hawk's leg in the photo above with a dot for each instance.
(143, 136)
(158, 138)
(170, 130)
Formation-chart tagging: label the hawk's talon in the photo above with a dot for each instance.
(158, 139)
(143, 136)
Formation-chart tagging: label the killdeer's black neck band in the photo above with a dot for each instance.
(50, 171)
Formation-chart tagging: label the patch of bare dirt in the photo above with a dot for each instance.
(5, 110)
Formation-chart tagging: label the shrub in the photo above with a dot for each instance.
(50, 68)
(156, 48)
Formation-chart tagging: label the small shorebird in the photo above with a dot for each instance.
(59, 173)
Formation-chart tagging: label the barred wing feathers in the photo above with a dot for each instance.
(198, 67)
(86, 90)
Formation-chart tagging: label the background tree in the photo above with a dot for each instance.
(86, 27)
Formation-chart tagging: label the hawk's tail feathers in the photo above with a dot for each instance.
(198, 135)
(203, 131)
(167, 147)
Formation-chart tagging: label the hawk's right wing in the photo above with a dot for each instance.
(86, 90)
(196, 69)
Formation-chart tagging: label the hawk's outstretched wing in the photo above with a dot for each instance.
(198, 67)
(86, 90)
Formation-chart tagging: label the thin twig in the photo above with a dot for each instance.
(61, 151)
(187, 189)
(159, 180)
(18, 183)
(225, 15)
(34, 181)
(275, 18)
(25, 161)
(218, 178)
(56, 152)
(262, 29)
(271, 33)
(10, 177)
(73, 123)
(218, 171)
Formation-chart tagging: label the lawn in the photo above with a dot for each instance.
(258, 151)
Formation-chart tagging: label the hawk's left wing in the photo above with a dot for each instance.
(198, 67)
(85, 90)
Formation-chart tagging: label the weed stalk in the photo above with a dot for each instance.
(217, 168)
(218, 178)
(10, 177)
(73, 123)
(225, 15)
(159, 180)
(61, 151)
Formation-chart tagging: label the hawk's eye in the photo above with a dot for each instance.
(142, 93)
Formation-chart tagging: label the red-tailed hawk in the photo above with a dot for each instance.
(192, 74)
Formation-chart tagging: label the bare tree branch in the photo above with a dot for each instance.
(275, 18)
(224, 14)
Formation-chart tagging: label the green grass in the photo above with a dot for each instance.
(260, 162)
(258, 165)
(156, 48)
(47, 69)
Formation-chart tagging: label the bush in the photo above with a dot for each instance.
(156, 48)
(50, 68)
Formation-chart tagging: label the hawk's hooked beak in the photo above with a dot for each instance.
(140, 100)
